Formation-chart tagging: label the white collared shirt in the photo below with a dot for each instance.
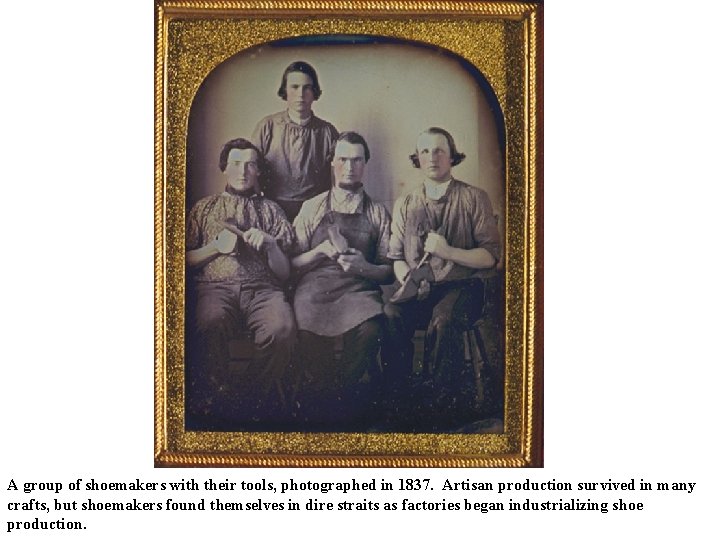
(346, 202)
(435, 190)
(295, 118)
(314, 210)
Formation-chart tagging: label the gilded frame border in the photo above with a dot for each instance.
(185, 29)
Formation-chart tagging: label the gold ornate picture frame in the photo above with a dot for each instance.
(501, 41)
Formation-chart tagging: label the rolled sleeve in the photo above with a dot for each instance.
(485, 231)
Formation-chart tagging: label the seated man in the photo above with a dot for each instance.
(235, 243)
(449, 226)
(342, 241)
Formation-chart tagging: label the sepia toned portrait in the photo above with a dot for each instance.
(345, 205)
(345, 243)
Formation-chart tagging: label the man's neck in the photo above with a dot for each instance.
(347, 200)
(432, 181)
(435, 189)
(298, 118)
(250, 192)
(354, 187)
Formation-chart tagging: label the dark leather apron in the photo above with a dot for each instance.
(328, 300)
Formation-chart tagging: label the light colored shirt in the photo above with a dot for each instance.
(346, 202)
(464, 217)
(435, 190)
(314, 210)
(298, 156)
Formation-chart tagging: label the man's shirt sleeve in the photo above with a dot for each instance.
(383, 243)
(485, 231)
(193, 231)
(261, 135)
(304, 225)
(396, 249)
(281, 229)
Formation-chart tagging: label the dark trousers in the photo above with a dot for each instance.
(450, 309)
(221, 311)
(335, 391)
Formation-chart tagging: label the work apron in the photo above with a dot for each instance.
(328, 300)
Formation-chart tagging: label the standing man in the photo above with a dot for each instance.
(238, 280)
(295, 142)
(342, 241)
(449, 226)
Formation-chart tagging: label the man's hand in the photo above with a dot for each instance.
(353, 262)
(225, 241)
(437, 245)
(257, 239)
(327, 249)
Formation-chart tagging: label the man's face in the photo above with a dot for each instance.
(348, 164)
(242, 169)
(434, 156)
(299, 89)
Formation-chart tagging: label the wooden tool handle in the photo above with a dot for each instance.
(233, 229)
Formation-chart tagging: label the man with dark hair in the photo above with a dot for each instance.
(235, 245)
(446, 232)
(295, 142)
(342, 243)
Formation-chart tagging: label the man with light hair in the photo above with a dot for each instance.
(444, 234)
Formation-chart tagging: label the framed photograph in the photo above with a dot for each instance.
(348, 234)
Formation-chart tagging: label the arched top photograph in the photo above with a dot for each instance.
(387, 89)
(347, 204)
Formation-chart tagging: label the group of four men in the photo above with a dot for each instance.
(341, 247)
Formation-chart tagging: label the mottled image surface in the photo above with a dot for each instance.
(344, 242)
